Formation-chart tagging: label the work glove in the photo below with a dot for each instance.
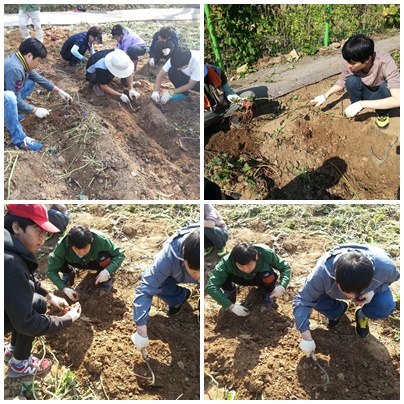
(140, 341)
(71, 294)
(64, 96)
(166, 51)
(155, 96)
(151, 62)
(124, 98)
(353, 109)
(365, 298)
(240, 311)
(74, 311)
(58, 302)
(233, 98)
(133, 93)
(317, 101)
(308, 346)
(277, 291)
(103, 276)
(84, 59)
(41, 112)
(165, 97)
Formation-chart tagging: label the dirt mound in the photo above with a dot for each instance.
(99, 148)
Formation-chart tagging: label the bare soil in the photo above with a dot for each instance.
(258, 356)
(295, 151)
(98, 346)
(98, 148)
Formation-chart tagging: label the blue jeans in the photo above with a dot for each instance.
(11, 112)
(358, 91)
(215, 236)
(59, 219)
(381, 306)
(171, 293)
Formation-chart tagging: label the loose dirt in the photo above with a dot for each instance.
(291, 150)
(98, 148)
(98, 347)
(258, 356)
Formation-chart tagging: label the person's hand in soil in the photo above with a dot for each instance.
(41, 112)
(103, 276)
(165, 97)
(65, 97)
(58, 302)
(317, 101)
(133, 94)
(239, 310)
(365, 298)
(353, 109)
(71, 294)
(124, 98)
(155, 96)
(74, 311)
(277, 291)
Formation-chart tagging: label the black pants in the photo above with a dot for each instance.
(158, 49)
(178, 78)
(22, 342)
(267, 283)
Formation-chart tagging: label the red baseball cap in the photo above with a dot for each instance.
(36, 212)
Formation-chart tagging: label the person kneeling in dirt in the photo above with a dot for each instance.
(371, 78)
(104, 66)
(58, 216)
(215, 231)
(248, 264)
(183, 70)
(25, 299)
(163, 43)
(75, 47)
(19, 81)
(84, 249)
(358, 273)
(220, 101)
(177, 262)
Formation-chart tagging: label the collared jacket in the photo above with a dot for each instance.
(129, 39)
(83, 43)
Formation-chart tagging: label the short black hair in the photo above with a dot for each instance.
(358, 48)
(353, 272)
(165, 32)
(95, 32)
(243, 253)
(80, 236)
(23, 222)
(117, 30)
(192, 252)
(33, 46)
(180, 57)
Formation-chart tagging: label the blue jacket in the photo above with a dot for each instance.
(173, 38)
(322, 279)
(81, 40)
(168, 263)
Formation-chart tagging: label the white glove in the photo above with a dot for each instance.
(124, 98)
(277, 291)
(140, 341)
(165, 97)
(317, 101)
(307, 346)
(71, 294)
(74, 311)
(151, 62)
(364, 298)
(240, 311)
(155, 96)
(84, 59)
(103, 276)
(133, 93)
(233, 98)
(41, 112)
(58, 302)
(166, 51)
(64, 96)
(353, 109)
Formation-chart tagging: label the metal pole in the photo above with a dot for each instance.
(213, 38)
(327, 25)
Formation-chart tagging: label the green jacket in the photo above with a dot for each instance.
(63, 253)
(29, 7)
(266, 258)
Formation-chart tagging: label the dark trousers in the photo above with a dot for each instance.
(22, 342)
(256, 281)
(158, 49)
(178, 78)
(135, 51)
(358, 91)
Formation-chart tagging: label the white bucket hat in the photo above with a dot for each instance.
(119, 64)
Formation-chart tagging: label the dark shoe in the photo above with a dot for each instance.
(28, 367)
(231, 295)
(97, 90)
(208, 250)
(334, 323)
(268, 301)
(222, 251)
(68, 277)
(73, 63)
(29, 144)
(362, 325)
(382, 121)
(107, 285)
(172, 311)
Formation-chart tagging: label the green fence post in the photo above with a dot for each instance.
(213, 38)
(327, 25)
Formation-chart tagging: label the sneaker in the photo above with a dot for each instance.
(268, 301)
(178, 97)
(382, 121)
(335, 322)
(68, 277)
(21, 117)
(8, 353)
(28, 367)
(208, 250)
(29, 144)
(97, 90)
(222, 251)
(172, 311)
(362, 325)
(231, 295)
(73, 63)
